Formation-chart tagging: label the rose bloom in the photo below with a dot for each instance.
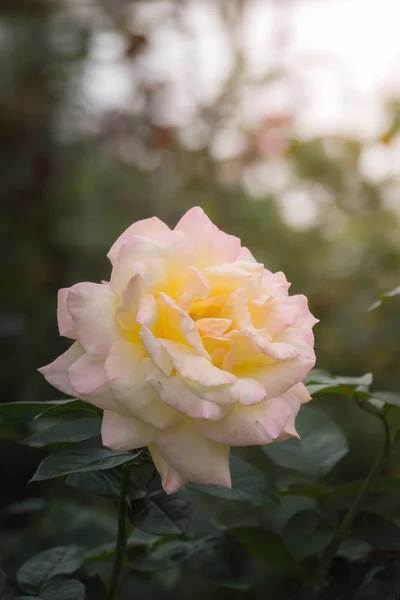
(190, 348)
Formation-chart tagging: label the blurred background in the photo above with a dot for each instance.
(280, 118)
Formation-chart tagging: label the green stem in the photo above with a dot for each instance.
(115, 583)
(345, 525)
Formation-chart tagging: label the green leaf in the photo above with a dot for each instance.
(305, 534)
(223, 560)
(387, 397)
(323, 383)
(68, 406)
(383, 484)
(381, 583)
(321, 445)
(384, 297)
(19, 408)
(377, 531)
(164, 556)
(248, 484)
(160, 513)
(41, 568)
(98, 483)
(63, 589)
(68, 431)
(76, 459)
(265, 545)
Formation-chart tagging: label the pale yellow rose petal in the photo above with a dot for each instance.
(122, 433)
(125, 371)
(176, 325)
(64, 319)
(195, 457)
(191, 365)
(56, 373)
(92, 308)
(172, 480)
(175, 393)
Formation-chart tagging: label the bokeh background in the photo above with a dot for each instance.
(280, 118)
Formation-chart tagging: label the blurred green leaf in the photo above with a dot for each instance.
(377, 531)
(387, 397)
(106, 483)
(164, 556)
(381, 582)
(321, 445)
(63, 589)
(223, 560)
(68, 431)
(248, 484)
(384, 297)
(66, 407)
(160, 513)
(306, 534)
(19, 408)
(37, 572)
(383, 484)
(320, 382)
(76, 459)
(265, 545)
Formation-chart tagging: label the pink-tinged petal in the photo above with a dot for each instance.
(251, 347)
(129, 303)
(304, 318)
(92, 308)
(235, 309)
(89, 379)
(148, 313)
(294, 403)
(177, 325)
(245, 254)
(275, 284)
(278, 377)
(172, 481)
(227, 278)
(153, 228)
(194, 287)
(213, 327)
(155, 349)
(56, 373)
(65, 323)
(122, 433)
(191, 365)
(249, 425)
(247, 391)
(175, 393)
(138, 254)
(127, 380)
(212, 245)
(301, 339)
(301, 392)
(275, 314)
(193, 456)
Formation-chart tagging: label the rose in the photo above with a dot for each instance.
(192, 347)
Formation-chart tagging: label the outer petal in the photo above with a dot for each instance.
(65, 323)
(138, 254)
(249, 425)
(153, 228)
(56, 373)
(120, 432)
(278, 377)
(127, 380)
(89, 379)
(92, 308)
(172, 481)
(175, 393)
(193, 456)
(212, 245)
(191, 365)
